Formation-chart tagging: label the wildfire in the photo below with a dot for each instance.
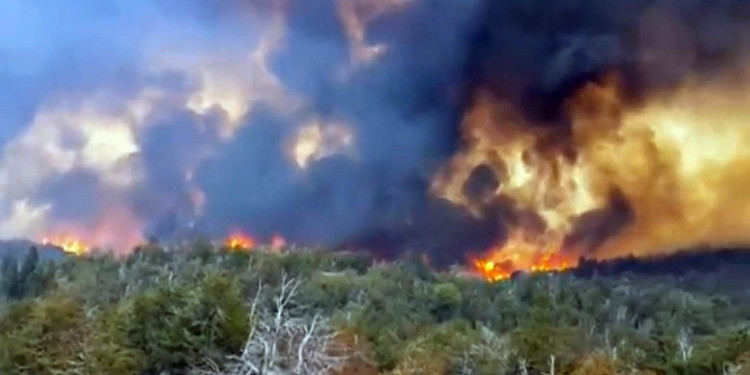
(522, 252)
(679, 160)
(678, 157)
(239, 241)
(69, 244)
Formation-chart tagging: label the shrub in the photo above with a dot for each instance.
(43, 337)
(55, 336)
(176, 327)
(438, 351)
(540, 338)
(447, 301)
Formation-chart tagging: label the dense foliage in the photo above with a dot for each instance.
(212, 311)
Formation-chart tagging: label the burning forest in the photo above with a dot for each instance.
(375, 187)
(503, 135)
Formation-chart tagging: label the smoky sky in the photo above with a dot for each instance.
(537, 53)
(402, 111)
(404, 107)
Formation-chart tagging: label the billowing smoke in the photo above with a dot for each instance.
(321, 121)
(604, 129)
(346, 123)
(537, 54)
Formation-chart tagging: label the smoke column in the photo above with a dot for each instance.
(353, 123)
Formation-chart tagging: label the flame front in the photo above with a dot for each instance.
(239, 241)
(679, 161)
(673, 164)
(522, 252)
(69, 244)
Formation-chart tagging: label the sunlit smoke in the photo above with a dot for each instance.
(355, 14)
(315, 141)
(679, 161)
(518, 136)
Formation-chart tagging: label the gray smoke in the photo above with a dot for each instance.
(142, 105)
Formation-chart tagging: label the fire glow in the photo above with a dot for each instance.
(521, 254)
(677, 162)
(492, 270)
(69, 244)
(339, 149)
(239, 241)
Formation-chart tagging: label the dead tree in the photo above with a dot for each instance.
(685, 346)
(489, 345)
(286, 339)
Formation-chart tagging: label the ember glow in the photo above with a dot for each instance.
(239, 241)
(522, 252)
(69, 244)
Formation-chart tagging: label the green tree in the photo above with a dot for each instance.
(178, 327)
(447, 301)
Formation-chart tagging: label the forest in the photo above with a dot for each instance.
(204, 309)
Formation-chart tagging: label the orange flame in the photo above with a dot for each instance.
(69, 244)
(522, 253)
(239, 241)
(679, 159)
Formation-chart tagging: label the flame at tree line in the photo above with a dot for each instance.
(69, 244)
(239, 241)
(680, 161)
(618, 171)
(521, 254)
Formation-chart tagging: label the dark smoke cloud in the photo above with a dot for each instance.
(403, 110)
(62, 64)
(537, 53)
(404, 107)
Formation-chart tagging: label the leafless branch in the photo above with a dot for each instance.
(286, 339)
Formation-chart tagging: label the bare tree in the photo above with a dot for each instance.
(551, 365)
(685, 345)
(286, 339)
(523, 367)
(731, 369)
(490, 346)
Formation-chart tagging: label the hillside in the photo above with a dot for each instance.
(203, 310)
(18, 248)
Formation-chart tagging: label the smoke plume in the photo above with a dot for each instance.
(576, 127)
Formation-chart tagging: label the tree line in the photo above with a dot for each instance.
(209, 310)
